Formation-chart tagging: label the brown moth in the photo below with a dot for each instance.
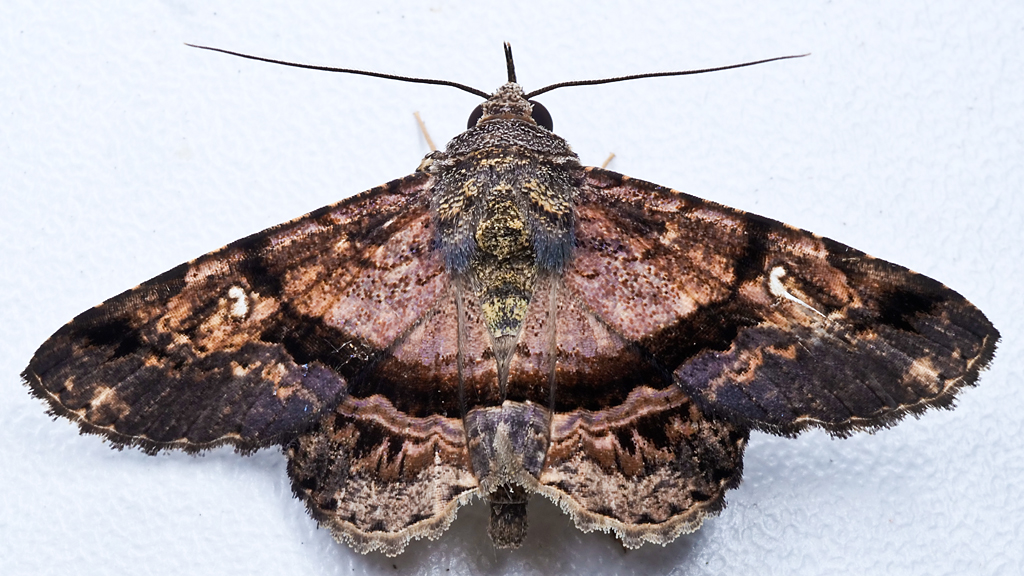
(507, 322)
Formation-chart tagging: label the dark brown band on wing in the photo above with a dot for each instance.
(768, 325)
(239, 346)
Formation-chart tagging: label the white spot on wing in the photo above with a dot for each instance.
(779, 290)
(240, 306)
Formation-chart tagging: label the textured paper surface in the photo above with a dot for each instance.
(126, 153)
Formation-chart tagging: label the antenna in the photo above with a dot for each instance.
(462, 87)
(656, 75)
(508, 64)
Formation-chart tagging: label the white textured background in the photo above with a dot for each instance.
(125, 153)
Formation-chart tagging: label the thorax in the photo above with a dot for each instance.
(503, 208)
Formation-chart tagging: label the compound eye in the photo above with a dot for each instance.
(541, 115)
(475, 116)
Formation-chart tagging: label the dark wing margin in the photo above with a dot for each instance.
(766, 325)
(254, 343)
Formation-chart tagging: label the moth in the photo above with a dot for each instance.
(506, 322)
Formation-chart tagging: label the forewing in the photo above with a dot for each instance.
(764, 324)
(252, 344)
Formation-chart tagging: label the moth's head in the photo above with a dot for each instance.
(509, 103)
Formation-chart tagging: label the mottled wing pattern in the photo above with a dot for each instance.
(766, 325)
(254, 343)
(391, 463)
(628, 451)
(648, 470)
(379, 478)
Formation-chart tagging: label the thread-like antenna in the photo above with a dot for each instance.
(655, 75)
(508, 63)
(463, 87)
